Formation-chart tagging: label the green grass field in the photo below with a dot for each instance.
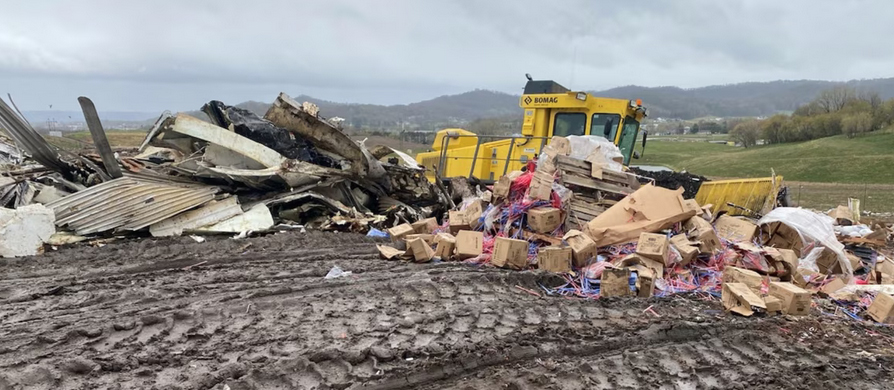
(867, 159)
(81, 139)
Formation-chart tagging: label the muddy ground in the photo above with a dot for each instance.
(257, 314)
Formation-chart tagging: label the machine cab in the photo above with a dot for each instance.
(553, 110)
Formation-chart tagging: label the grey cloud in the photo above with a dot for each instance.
(169, 54)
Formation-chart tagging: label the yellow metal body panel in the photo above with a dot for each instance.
(758, 195)
(537, 127)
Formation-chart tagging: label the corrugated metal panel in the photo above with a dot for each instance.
(758, 195)
(126, 204)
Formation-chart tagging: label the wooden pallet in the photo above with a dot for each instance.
(592, 195)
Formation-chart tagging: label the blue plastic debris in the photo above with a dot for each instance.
(376, 233)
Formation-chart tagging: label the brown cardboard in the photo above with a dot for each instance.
(398, 232)
(744, 276)
(691, 204)
(645, 281)
(615, 282)
(547, 161)
(422, 252)
(425, 226)
(781, 236)
(649, 209)
(688, 250)
(842, 215)
(514, 175)
(554, 259)
(856, 263)
(457, 221)
(468, 244)
(795, 300)
(541, 186)
(882, 308)
(653, 246)
(739, 299)
(633, 259)
(427, 237)
(446, 244)
(472, 212)
(487, 196)
(701, 231)
(735, 229)
(828, 262)
(501, 187)
(509, 253)
(544, 219)
(774, 305)
(561, 145)
(833, 285)
(388, 253)
(786, 262)
(582, 247)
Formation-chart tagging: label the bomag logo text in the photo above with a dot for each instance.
(546, 100)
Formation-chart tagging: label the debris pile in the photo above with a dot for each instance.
(574, 213)
(236, 173)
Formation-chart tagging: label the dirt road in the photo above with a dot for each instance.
(258, 314)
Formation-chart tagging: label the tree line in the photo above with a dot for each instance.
(840, 110)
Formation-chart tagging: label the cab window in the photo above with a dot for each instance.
(570, 123)
(605, 125)
(628, 138)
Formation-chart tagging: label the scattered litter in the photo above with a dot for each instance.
(197, 238)
(336, 272)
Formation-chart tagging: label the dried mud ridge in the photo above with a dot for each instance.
(257, 314)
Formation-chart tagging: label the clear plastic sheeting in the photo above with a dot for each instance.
(813, 228)
(853, 231)
(596, 149)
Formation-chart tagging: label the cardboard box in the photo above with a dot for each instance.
(399, 232)
(701, 231)
(457, 222)
(446, 244)
(882, 308)
(688, 250)
(388, 253)
(842, 215)
(691, 204)
(422, 252)
(501, 187)
(774, 305)
(554, 259)
(469, 244)
(561, 145)
(653, 246)
(738, 298)
(514, 175)
(472, 213)
(780, 235)
(735, 229)
(544, 219)
(541, 186)
(795, 300)
(828, 262)
(615, 282)
(784, 260)
(427, 237)
(487, 196)
(645, 281)
(833, 285)
(649, 209)
(752, 279)
(856, 263)
(582, 247)
(633, 260)
(425, 226)
(509, 253)
(547, 161)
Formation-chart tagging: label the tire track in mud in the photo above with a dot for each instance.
(257, 314)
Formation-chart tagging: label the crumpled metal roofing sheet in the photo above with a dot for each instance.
(126, 204)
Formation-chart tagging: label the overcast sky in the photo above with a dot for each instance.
(160, 54)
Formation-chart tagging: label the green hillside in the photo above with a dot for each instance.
(866, 159)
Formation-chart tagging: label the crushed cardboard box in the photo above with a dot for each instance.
(425, 226)
(738, 298)
(541, 186)
(510, 253)
(774, 305)
(615, 282)
(843, 216)
(688, 250)
(501, 187)
(399, 232)
(446, 244)
(634, 259)
(561, 144)
(649, 209)
(422, 251)
(701, 231)
(458, 222)
(882, 308)
(752, 279)
(582, 247)
(389, 253)
(554, 259)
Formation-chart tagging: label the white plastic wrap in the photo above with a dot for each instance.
(813, 228)
(583, 146)
(853, 231)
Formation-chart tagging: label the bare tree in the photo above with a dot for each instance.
(834, 99)
(746, 133)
